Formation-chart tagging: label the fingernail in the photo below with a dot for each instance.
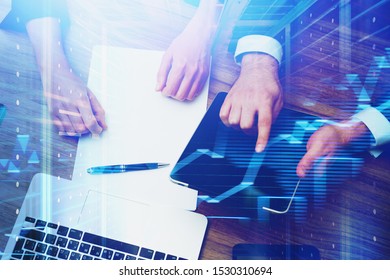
(260, 148)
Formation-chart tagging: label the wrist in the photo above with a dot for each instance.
(56, 74)
(57, 66)
(254, 61)
(204, 23)
(350, 130)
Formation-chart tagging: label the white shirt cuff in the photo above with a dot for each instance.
(258, 43)
(376, 123)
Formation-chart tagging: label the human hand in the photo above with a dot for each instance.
(184, 68)
(73, 107)
(256, 93)
(325, 141)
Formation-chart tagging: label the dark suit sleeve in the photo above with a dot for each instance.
(23, 11)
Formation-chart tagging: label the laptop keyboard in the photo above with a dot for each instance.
(40, 240)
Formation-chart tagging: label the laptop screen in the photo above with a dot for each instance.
(220, 162)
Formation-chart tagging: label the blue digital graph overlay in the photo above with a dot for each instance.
(23, 157)
(221, 164)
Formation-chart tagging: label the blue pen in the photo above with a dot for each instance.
(121, 168)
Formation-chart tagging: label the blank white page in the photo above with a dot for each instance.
(143, 126)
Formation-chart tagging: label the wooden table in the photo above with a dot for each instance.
(352, 223)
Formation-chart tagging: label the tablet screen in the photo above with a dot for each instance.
(221, 163)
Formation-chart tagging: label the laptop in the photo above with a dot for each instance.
(60, 220)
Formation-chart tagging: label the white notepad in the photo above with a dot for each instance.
(143, 126)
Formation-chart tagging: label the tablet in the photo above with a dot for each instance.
(221, 163)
